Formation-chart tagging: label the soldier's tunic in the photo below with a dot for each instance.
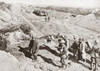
(62, 49)
(31, 44)
(80, 48)
(74, 48)
(33, 48)
(84, 45)
(94, 50)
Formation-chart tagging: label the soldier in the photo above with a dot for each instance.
(58, 35)
(49, 38)
(33, 48)
(80, 48)
(0, 37)
(84, 46)
(62, 49)
(3, 43)
(93, 53)
(74, 46)
(31, 44)
(65, 38)
(47, 18)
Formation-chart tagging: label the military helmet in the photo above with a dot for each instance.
(61, 40)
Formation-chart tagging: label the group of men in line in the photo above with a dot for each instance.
(80, 48)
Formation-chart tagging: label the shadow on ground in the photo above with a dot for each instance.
(74, 59)
(50, 50)
(25, 51)
(84, 65)
(48, 60)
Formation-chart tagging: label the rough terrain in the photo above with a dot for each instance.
(13, 16)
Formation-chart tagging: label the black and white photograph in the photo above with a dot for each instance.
(49, 35)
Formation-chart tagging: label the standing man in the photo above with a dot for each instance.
(65, 38)
(93, 53)
(31, 44)
(74, 47)
(47, 18)
(1, 43)
(62, 49)
(80, 48)
(33, 47)
(49, 38)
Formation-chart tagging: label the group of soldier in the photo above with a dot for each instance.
(79, 48)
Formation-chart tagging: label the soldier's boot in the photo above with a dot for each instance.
(95, 65)
(91, 66)
(63, 63)
(34, 57)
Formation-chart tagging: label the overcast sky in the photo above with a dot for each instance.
(70, 3)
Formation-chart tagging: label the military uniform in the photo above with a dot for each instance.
(74, 48)
(31, 44)
(49, 39)
(79, 52)
(62, 49)
(3, 43)
(33, 48)
(94, 50)
(80, 49)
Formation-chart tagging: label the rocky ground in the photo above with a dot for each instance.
(14, 15)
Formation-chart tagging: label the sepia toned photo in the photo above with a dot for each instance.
(49, 35)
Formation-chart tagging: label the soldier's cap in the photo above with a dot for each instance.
(61, 41)
(75, 36)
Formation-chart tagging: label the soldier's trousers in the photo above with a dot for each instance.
(63, 57)
(79, 55)
(93, 63)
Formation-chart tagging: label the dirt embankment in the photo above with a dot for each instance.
(15, 15)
